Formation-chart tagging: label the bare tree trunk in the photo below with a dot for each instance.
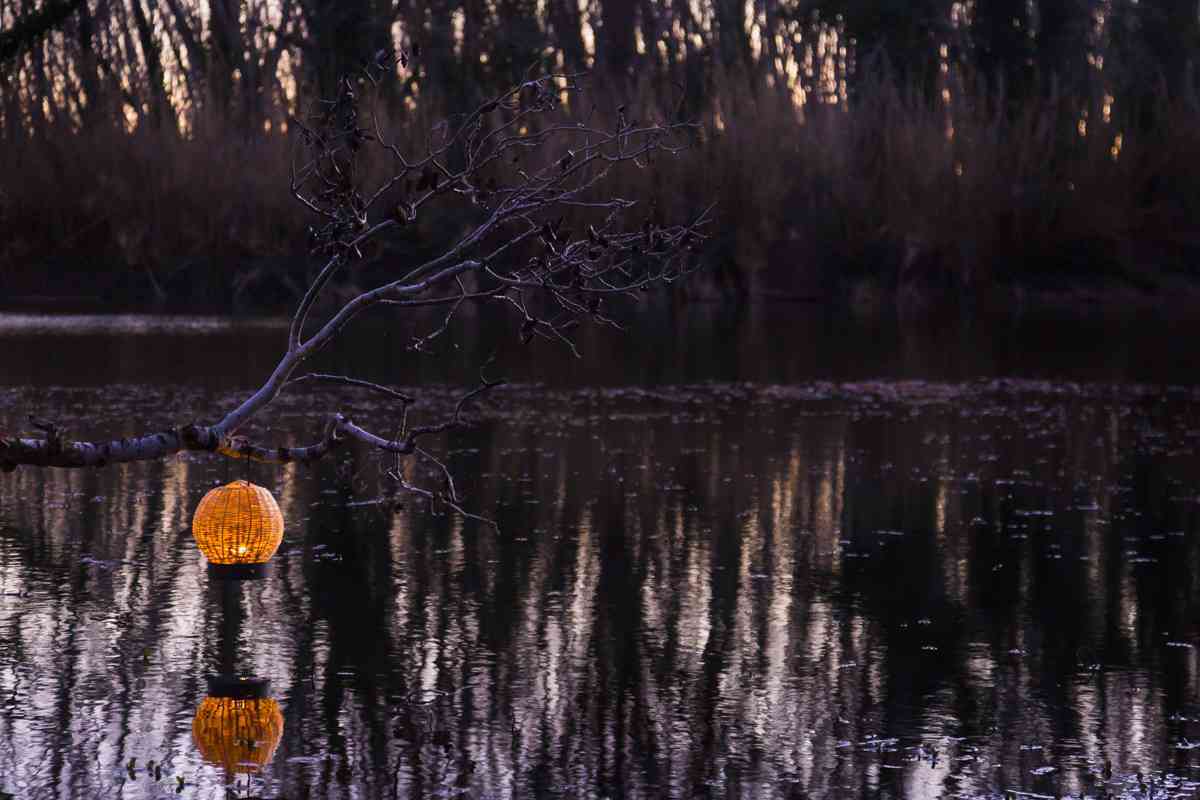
(1061, 38)
(14, 119)
(344, 34)
(651, 31)
(568, 32)
(89, 70)
(268, 73)
(732, 35)
(40, 86)
(617, 46)
(518, 45)
(133, 90)
(772, 56)
(1002, 46)
(197, 56)
(474, 23)
(226, 46)
(160, 104)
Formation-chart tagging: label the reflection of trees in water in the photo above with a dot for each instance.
(95, 620)
(731, 604)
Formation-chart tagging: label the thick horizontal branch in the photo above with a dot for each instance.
(53, 452)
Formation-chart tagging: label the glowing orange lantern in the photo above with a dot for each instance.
(238, 731)
(238, 528)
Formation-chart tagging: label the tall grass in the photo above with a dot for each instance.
(103, 201)
(900, 186)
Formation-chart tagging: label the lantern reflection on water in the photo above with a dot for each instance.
(238, 727)
(238, 527)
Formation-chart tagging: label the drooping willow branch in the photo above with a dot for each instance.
(545, 241)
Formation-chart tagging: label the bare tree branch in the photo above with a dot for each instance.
(545, 241)
(344, 381)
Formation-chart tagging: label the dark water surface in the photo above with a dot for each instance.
(771, 555)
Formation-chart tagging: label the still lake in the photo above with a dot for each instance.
(768, 554)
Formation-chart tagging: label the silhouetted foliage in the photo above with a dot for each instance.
(138, 107)
(177, 55)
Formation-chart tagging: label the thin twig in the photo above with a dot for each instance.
(356, 382)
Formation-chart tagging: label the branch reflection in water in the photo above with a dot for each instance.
(828, 590)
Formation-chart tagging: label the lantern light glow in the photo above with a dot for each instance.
(238, 525)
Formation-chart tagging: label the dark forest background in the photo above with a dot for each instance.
(855, 147)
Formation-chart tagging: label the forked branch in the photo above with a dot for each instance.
(545, 241)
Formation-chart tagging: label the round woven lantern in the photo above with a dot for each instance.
(238, 528)
(238, 733)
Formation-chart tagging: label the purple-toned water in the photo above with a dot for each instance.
(765, 556)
